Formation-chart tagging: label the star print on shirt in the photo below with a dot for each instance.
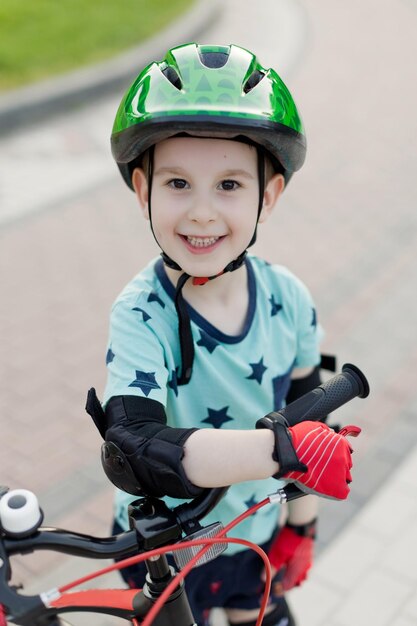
(145, 381)
(275, 306)
(207, 342)
(109, 356)
(251, 501)
(145, 315)
(172, 383)
(258, 370)
(314, 318)
(153, 297)
(280, 388)
(218, 418)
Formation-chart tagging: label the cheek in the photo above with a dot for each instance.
(169, 209)
(163, 221)
(245, 211)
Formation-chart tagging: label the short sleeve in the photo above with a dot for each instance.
(135, 356)
(309, 333)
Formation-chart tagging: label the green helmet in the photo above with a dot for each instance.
(212, 91)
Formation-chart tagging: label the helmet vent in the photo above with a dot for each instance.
(172, 76)
(214, 59)
(253, 80)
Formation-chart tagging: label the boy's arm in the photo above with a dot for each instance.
(236, 455)
(177, 461)
(292, 549)
(180, 462)
(215, 458)
(303, 510)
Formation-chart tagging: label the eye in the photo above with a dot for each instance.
(177, 183)
(229, 185)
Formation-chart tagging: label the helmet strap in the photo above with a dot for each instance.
(184, 322)
(261, 182)
(185, 332)
(151, 153)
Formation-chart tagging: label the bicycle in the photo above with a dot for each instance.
(155, 530)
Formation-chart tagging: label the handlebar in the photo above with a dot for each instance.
(118, 546)
(329, 396)
(75, 544)
(198, 508)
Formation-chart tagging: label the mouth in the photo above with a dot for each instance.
(201, 244)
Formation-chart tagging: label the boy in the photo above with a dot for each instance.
(207, 340)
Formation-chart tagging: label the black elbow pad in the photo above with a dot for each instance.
(301, 386)
(141, 454)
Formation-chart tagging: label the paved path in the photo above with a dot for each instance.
(71, 236)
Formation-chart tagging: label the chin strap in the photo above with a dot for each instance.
(184, 322)
(185, 332)
(181, 307)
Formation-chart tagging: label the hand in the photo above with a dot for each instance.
(292, 553)
(327, 456)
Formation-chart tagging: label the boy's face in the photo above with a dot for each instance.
(204, 203)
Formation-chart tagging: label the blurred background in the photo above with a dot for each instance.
(71, 237)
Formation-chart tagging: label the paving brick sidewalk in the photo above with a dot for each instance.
(346, 225)
(367, 575)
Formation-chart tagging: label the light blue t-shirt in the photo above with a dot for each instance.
(236, 379)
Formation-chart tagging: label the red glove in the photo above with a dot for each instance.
(293, 552)
(327, 456)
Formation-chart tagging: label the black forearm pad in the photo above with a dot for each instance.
(152, 450)
(134, 410)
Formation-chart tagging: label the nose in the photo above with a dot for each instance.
(202, 210)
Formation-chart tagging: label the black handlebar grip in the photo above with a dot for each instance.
(318, 403)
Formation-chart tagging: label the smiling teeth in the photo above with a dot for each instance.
(202, 242)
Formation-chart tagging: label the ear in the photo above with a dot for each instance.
(140, 185)
(273, 190)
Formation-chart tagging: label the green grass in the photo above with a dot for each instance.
(42, 38)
